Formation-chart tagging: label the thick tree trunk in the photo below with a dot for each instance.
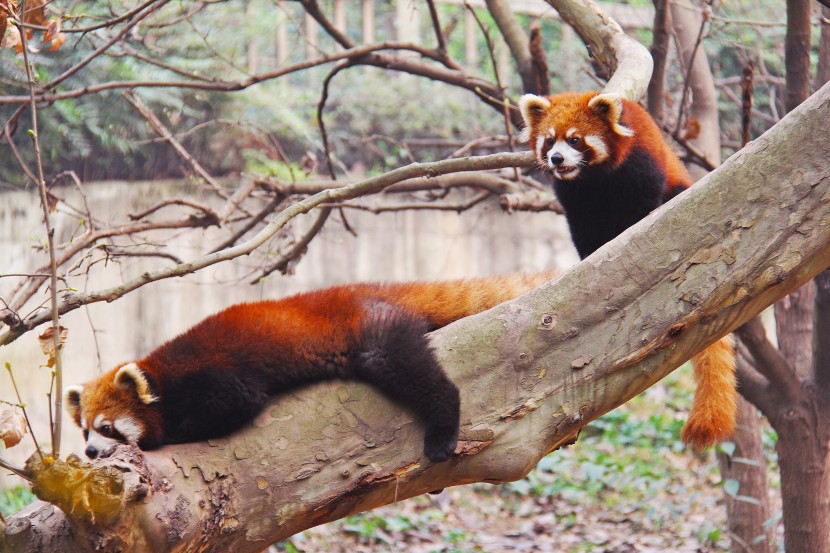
(532, 371)
(804, 457)
(748, 512)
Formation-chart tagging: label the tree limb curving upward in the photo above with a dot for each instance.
(532, 372)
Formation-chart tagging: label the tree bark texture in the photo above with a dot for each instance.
(748, 512)
(628, 60)
(823, 66)
(532, 372)
(797, 52)
(804, 458)
(686, 24)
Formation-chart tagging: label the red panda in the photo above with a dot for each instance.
(218, 375)
(610, 168)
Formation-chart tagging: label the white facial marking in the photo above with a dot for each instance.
(570, 132)
(99, 442)
(129, 428)
(540, 141)
(571, 161)
(96, 423)
(83, 424)
(598, 146)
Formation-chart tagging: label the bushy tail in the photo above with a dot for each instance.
(712, 418)
(443, 302)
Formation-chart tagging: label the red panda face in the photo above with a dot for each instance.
(114, 408)
(571, 131)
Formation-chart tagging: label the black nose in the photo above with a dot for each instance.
(91, 452)
(557, 158)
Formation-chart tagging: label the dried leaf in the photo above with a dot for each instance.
(5, 12)
(54, 35)
(47, 342)
(51, 199)
(35, 12)
(12, 427)
(692, 129)
(12, 40)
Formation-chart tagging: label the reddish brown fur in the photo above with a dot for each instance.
(712, 417)
(280, 343)
(571, 109)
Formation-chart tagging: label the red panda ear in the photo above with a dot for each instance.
(131, 376)
(533, 108)
(610, 107)
(72, 401)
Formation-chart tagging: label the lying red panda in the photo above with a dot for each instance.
(611, 167)
(216, 377)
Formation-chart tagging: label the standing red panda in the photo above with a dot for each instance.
(217, 376)
(610, 168)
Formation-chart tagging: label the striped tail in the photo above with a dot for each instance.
(712, 418)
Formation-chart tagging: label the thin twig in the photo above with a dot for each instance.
(290, 257)
(182, 152)
(23, 408)
(21, 472)
(687, 80)
(55, 428)
(506, 109)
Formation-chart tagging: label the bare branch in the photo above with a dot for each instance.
(769, 361)
(206, 209)
(659, 53)
(436, 27)
(56, 424)
(629, 60)
(821, 331)
(162, 131)
(289, 258)
(517, 41)
(450, 76)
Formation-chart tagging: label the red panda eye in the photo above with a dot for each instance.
(550, 142)
(106, 430)
(573, 141)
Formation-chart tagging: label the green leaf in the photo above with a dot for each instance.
(731, 487)
(727, 448)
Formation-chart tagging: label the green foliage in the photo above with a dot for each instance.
(15, 499)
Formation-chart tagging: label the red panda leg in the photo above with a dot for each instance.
(712, 418)
(395, 356)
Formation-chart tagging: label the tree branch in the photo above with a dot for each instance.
(821, 331)
(516, 39)
(769, 361)
(534, 370)
(629, 60)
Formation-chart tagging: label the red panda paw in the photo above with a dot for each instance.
(440, 442)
